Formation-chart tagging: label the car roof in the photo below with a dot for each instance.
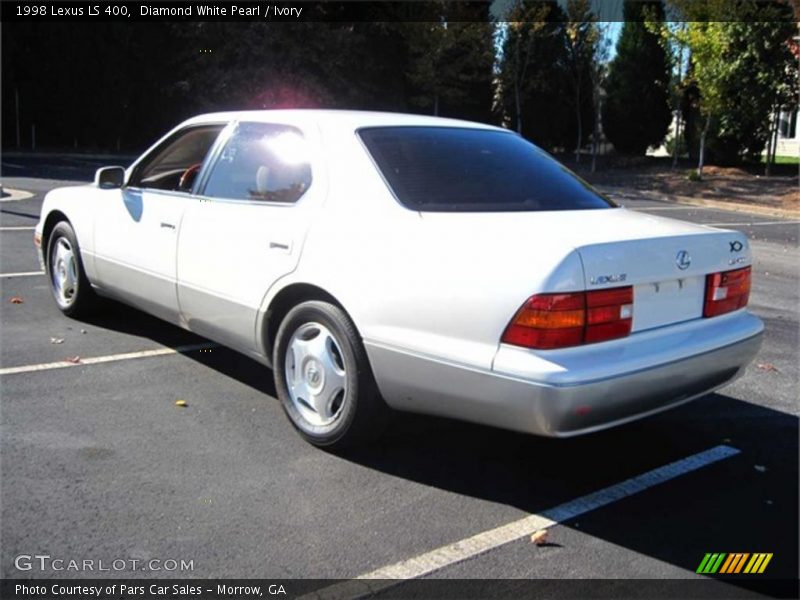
(354, 119)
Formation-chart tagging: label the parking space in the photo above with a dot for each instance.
(99, 462)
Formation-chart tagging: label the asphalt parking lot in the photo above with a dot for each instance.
(99, 463)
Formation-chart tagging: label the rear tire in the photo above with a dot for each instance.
(71, 289)
(323, 378)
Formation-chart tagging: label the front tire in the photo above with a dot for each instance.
(323, 377)
(71, 288)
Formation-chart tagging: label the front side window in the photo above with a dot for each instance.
(474, 170)
(262, 162)
(176, 162)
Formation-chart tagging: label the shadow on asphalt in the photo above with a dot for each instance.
(18, 213)
(747, 503)
(121, 318)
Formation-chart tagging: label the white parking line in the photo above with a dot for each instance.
(22, 274)
(446, 556)
(17, 228)
(63, 364)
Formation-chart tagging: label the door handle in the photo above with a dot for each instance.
(167, 225)
(280, 246)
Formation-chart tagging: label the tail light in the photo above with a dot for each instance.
(726, 292)
(549, 321)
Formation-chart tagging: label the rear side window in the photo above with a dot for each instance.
(455, 169)
(264, 162)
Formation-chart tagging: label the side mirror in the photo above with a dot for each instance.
(110, 177)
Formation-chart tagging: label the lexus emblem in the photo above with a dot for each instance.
(683, 260)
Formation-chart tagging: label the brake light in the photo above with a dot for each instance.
(726, 292)
(549, 321)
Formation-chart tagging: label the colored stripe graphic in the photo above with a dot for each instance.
(758, 563)
(718, 562)
(765, 563)
(741, 562)
(703, 563)
(727, 564)
(711, 563)
(733, 563)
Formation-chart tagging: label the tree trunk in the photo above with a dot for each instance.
(676, 150)
(703, 147)
(596, 135)
(775, 135)
(436, 105)
(676, 101)
(518, 105)
(773, 127)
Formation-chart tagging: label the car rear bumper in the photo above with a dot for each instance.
(623, 382)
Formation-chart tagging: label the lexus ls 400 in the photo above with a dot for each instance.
(385, 261)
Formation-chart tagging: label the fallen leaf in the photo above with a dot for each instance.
(768, 367)
(56, 340)
(73, 359)
(16, 300)
(761, 468)
(181, 403)
(540, 537)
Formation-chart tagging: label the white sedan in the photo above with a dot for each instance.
(379, 261)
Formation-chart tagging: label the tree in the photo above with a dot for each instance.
(740, 54)
(526, 30)
(542, 104)
(636, 113)
(787, 94)
(450, 67)
(580, 39)
(760, 73)
(599, 75)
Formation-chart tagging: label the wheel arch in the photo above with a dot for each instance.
(286, 299)
(54, 217)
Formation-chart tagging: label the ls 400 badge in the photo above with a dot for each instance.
(600, 279)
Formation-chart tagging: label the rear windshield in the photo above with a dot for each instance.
(453, 169)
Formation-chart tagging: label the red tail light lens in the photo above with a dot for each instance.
(726, 292)
(549, 321)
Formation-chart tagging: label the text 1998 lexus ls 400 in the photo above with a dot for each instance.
(380, 261)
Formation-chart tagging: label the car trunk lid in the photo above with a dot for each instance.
(665, 260)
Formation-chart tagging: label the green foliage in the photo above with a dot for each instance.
(534, 65)
(758, 58)
(743, 67)
(694, 175)
(670, 142)
(636, 112)
(450, 67)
